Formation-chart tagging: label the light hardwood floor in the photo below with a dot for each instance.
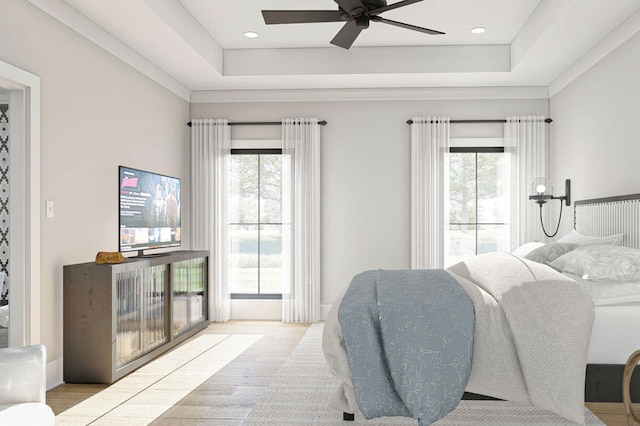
(227, 397)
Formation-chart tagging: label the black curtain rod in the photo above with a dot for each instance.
(547, 120)
(261, 123)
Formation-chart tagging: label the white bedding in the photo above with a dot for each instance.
(616, 326)
(615, 334)
(609, 292)
(528, 346)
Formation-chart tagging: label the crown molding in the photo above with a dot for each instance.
(383, 94)
(626, 30)
(70, 17)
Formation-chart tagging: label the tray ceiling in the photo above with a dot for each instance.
(198, 45)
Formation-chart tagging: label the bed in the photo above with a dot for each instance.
(603, 336)
(616, 327)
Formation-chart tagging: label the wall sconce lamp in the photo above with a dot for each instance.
(542, 191)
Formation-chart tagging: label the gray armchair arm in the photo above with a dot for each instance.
(23, 374)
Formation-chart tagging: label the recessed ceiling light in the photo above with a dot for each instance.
(478, 30)
(251, 34)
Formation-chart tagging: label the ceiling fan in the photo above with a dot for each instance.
(357, 13)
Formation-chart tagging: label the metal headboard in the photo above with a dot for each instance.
(611, 215)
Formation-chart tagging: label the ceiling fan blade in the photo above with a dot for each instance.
(393, 6)
(406, 26)
(347, 35)
(300, 16)
(352, 7)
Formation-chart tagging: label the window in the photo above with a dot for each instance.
(478, 202)
(255, 223)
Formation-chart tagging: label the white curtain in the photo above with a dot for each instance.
(210, 155)
(525, 142)
(301, 220)
(429, 191)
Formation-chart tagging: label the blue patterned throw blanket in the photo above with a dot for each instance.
(382, 315)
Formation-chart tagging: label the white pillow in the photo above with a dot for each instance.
(577, 238)
(550, 252)
(526, 248)
(601, 263)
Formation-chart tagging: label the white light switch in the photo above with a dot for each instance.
(49, 209)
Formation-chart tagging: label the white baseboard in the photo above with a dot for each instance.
(324, 311)
(54, 373)
(264, 310)
(259, 310)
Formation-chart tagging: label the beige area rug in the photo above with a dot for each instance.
(300, 393)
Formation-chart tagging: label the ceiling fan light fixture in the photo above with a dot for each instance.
(478, 30)
(251, 34)
(356, 13)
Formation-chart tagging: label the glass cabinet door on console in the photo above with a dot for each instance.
(140, 321)
(117, 317)
(189, 305)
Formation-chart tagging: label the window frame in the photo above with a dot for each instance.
(476, 150)
(256, 296)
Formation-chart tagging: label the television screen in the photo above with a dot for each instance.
(149, 210)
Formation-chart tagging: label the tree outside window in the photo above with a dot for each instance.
(255, 228)
(478, 203)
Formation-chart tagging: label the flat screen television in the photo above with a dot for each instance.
(149, 206)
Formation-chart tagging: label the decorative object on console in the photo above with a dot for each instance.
(542, 192)
(109, 257)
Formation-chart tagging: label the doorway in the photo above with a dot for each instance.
(4, 218)
(24, 209)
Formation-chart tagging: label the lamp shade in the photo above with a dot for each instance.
(541, 186)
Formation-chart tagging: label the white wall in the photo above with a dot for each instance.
(595, 138)
(96, 113)
(365, 170)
